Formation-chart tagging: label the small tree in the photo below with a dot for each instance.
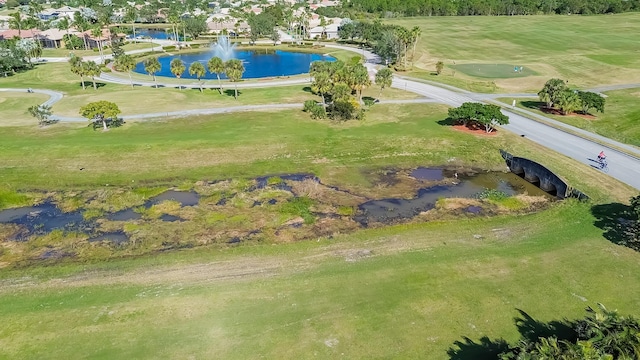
(490, 116)
(216, 66)
(42, 113)
(359, 79)
(275, 36)
(439, 67)
(590, 100)
(234, 70)
(126, 63)
(177, 68)
(101, 112)
(552, 91)
(152, 66)
(384, 78)
(480, 114)
(196, 68)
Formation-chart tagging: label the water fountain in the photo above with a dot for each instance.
(224, 48)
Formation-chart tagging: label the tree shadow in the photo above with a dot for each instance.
(611, 219)
(530, 329)
(484, 349)
(447, 122)
(532, 104)
(232, 92)
(307, 89)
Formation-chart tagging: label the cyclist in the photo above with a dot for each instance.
(601, 156)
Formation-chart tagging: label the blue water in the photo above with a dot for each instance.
(156, 34)
(257, 63)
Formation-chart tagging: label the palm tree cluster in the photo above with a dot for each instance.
(85, 68)
(394, 43)
(339, 81)
(602, 334)
(234, 69)
(556, 94)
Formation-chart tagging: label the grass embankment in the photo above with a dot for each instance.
(255, 144)
(618, 122)
(586, 50)
(407, 291)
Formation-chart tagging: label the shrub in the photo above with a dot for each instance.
(369, 101)
(343, 110)
(308, 105)
(318, 112)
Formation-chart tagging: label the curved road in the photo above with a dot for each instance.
(623, 167)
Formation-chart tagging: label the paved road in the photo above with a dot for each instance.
(623, 167)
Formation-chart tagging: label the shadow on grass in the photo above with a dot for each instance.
(447, 122)
(232, 92)
(532, 104)
(529, 328)
(89, 84)
(307, 89)
(611, 219)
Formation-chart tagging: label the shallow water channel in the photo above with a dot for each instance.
(438, 183)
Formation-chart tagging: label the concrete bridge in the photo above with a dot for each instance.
(537, 174)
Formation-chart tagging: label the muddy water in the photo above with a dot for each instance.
(438, 183)
(392, 209)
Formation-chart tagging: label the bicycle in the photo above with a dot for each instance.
(604, 166)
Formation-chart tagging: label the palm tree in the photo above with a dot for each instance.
(92, 69)
(126, 63)
(16, 23)
(234, 70)
(198, 70)
(216, 66)
(78, 67)
(152, 66)
(568, 101)
(359, 79)
(64, 25)
(322, 84)
(177, 68)
(384, 78)
(415, 32)
(97, 34)
(81, 24)
(130, 16)
(340, 91)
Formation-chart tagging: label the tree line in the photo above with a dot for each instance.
(490, 7)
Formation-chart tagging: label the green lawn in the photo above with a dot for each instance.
(620, 121)
(586, 50)
(89, 53)
(254, 144)
(13, 107)
(423, 287)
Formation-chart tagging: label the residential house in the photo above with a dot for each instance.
(328, 32)
(23, 34)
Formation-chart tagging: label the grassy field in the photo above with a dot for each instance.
(619, 121)
(255, 144)
(88, 53)
(586, 50)
(14, 107)
(415, 291)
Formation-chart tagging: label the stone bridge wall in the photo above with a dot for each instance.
(540, 175)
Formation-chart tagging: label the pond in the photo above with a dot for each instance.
(257, 63)
(160, 34)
